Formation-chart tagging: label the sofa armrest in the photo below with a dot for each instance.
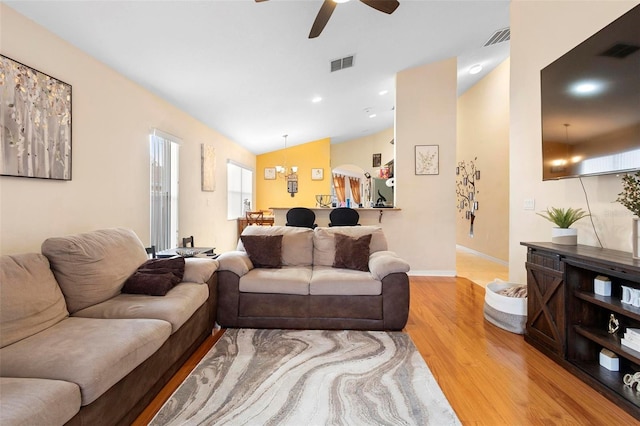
(199, 270)
(383, 263)
(235, 261)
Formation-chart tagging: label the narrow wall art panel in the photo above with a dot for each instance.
(208, 168)
(35, 123)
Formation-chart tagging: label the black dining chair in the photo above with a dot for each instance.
(344, 216)
(301, 217)
(151, 251)
(187, 240)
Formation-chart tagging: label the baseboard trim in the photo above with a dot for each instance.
(432, 273)
(482, 255)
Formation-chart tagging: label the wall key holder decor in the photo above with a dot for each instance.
(466, 190)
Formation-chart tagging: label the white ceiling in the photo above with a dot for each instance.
(248, 70)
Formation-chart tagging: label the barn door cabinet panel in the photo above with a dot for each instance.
(574, 333)
(546, 302)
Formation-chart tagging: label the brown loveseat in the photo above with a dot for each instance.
(307, 292)
(75, 349)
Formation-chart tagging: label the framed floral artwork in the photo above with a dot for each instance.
(427, 157)
(36, 118)
(317, 174)
(269, 173)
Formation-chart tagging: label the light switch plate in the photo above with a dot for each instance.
(529, 204)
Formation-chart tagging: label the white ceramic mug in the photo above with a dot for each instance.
(626, 294)
(635, 297)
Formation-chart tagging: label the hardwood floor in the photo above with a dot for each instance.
(489, 376)
(479, 269)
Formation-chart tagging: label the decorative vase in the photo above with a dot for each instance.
(635, 237)
(564, 236)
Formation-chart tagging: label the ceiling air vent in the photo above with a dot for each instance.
(339, 64)
(499, 36)
(620, 50)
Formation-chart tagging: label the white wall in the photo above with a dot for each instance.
(424, 231)
(483, 133)
(359, 151)
(112, 118)
(542, 31)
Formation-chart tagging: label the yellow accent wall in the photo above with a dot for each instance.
(311, 155)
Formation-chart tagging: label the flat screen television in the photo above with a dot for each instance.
(591, 104)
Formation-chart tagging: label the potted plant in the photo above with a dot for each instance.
(563, 219)
(630, 198)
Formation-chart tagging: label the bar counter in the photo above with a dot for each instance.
(368, 215)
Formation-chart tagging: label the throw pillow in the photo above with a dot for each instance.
(265, 251)
(352, 253)
(155, 277)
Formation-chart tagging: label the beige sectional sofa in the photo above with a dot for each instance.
(307, 291)
(76, 350)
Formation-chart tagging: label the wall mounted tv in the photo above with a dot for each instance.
(591, 104)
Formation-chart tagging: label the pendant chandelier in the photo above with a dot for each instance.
(282, 170)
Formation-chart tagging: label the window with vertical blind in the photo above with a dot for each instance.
(164, 189)
(239, 189)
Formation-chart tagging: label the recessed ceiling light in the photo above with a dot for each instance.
(587, 88)
(340, 1)
(383, 92)
(372, 115)
(475, 69)
(316, 99)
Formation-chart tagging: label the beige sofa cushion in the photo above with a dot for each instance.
(383, 263)
(297, 243)
(31, 299)
(199, 270)
(176, 307)
(348, 282)
(37, 401)
(93, 353)
(235, 261)
(287, 280)
(324, 251)
(92, 267)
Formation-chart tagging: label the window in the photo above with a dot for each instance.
(164, 189)
(239, 189)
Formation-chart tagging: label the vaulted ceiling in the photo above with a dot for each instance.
(249, 70)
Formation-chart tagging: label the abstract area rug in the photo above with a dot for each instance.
(309, 377)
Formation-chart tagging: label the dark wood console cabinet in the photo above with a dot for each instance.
(568, 322)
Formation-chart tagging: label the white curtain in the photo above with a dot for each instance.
(239, 190)
(164, 190)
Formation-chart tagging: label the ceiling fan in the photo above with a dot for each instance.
(386, 6)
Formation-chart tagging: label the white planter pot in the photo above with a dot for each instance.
(564, 236)
(635, 235)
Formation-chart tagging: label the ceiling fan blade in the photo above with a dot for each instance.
(386, 6)
(323, 17)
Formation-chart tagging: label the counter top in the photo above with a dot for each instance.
(322, 214)
(360, 209)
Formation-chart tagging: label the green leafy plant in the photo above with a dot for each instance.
(630, 195)
(563, 218)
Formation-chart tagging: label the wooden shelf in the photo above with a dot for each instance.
(608, 341)
(565, 311)
(612, 380)
(611, 303)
